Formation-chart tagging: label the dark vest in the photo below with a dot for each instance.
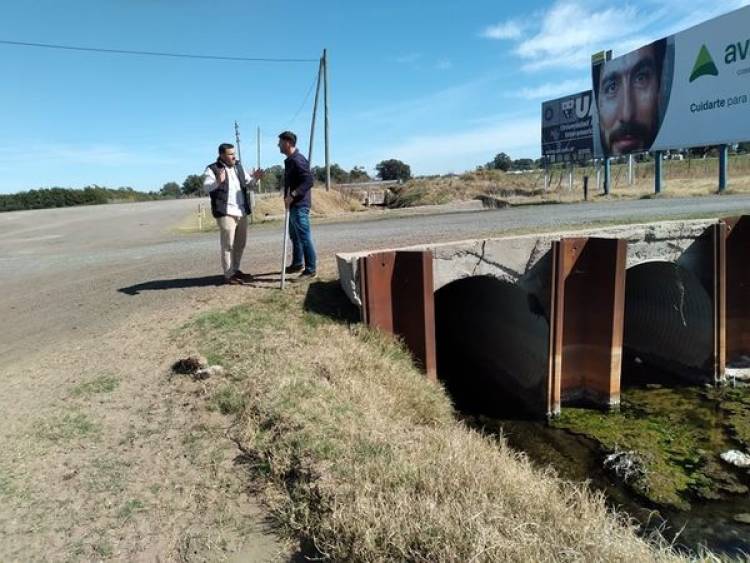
(220, 194)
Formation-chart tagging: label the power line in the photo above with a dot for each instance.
(156, 53)
(307, 97)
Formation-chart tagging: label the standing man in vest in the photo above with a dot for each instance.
(298, 183)
(227, 183)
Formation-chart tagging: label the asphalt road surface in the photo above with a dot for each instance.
(69, 273)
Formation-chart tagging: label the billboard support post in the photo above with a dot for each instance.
(546, 174)
(570, 177)
(630, 169)
(598, 175)
(658, 155)
(723, 167)
(607, 175)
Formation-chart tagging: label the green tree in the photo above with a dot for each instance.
(359, 174)
(501, 162)
(522, 164)
(393, 169)
(338, 174)
(171, 190)
(193, 185)
(273, 178)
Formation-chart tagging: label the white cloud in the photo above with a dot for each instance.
(552, 89)
(572, 30)
(505, 30)
(409, 58)
(444, 64)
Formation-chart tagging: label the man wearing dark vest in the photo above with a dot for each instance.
(227, 183)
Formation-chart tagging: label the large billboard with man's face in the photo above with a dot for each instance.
(688, 89)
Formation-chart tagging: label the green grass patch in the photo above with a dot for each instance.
(7, 487)
(100, 384)
(228, 400)
(65, 427)
(129, 510)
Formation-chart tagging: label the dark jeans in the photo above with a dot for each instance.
(302, 244)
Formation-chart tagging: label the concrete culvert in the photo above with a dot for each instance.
(668, 321)
(492, 340)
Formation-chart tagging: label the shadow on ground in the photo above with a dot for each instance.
(178, 283)
(326, 298)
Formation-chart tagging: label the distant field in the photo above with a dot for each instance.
(695, 177)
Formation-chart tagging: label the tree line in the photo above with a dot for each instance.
(66, 197)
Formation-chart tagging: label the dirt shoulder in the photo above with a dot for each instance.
(105, 456)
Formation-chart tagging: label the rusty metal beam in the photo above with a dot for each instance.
(398, 298)
(586, 322)
(718, 296)
(737, 288)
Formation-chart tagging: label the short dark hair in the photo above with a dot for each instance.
(289, 136)
(224, 146)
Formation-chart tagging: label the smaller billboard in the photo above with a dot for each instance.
(567, 132)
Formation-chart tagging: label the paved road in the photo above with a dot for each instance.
(70, 273)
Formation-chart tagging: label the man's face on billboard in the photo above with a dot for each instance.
(628, 102)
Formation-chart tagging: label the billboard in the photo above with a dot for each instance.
(688, 89)
(566, 128)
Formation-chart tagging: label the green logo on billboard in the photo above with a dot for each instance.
(704, 65)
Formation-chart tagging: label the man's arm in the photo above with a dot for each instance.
(209, 180)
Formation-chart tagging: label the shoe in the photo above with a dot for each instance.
(307, 275)
(243, 276)
(293, 269)
(234, 280)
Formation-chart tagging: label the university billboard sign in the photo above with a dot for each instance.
(688, 89)
(566, 128)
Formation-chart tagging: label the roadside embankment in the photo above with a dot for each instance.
(358, 455)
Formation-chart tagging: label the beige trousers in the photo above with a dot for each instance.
(232, 236)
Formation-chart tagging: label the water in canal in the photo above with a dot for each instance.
(666, 470)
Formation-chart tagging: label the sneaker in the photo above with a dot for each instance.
(234, 280)
(307, 275)
(293, 269)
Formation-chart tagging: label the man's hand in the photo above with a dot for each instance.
(258, 174)
(288, 201)
(222, 175)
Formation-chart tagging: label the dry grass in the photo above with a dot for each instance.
(324, 204)
(697, 177)
(357, 453)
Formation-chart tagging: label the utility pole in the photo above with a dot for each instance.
(237, 140)
(258, 166)
(315, 113)
(327, 125)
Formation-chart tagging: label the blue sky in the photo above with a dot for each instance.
(443, 85)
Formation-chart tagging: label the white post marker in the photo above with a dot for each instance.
(200, 217)
(283, 252)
